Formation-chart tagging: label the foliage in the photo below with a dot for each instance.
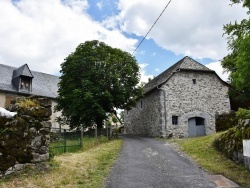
(95, 80)
(225, 121)
(122, 116)
(237, 61)
(27, 103)
(201, 149)
(114, 119)
(243, 113)
(230, 142)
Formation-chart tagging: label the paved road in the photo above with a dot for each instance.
(150, 163)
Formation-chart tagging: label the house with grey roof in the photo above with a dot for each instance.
(16, 82)
(180, 102)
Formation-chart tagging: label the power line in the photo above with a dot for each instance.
(151, 27)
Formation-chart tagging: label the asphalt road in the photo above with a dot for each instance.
(149, 163)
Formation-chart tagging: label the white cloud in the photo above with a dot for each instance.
(99, 5)
(216, 66)
(191, 27)
(43, 33)
(157, 70)
(144, 76)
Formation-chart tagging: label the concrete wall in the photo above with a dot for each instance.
(180, 97)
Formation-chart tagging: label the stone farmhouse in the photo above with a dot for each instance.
(180, 102)
(17, 82)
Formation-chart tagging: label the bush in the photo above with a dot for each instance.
(243, 113)
(226, 121)
(230, 143)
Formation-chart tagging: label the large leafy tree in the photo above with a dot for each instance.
(95, 80)
(237, 62)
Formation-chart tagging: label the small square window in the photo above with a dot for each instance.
(175, 120)
(194, 81)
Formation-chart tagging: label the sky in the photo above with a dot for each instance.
(43, 33)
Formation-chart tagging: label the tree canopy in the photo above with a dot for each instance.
(95, 80)
(237, 62)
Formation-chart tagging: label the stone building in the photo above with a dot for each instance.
(180, 102)
(17, 82)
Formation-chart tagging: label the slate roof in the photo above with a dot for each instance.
(42, 84)
(22, 71)
(185, 64)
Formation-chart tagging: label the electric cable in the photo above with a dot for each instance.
(151, 27)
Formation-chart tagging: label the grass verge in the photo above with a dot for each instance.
(202, 151)
(86, 169)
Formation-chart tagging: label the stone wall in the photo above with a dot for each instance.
(146, 118)
(25, 138)
(185, 99)
(180, 97)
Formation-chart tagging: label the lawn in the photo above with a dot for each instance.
(87, 168)
(202, 151)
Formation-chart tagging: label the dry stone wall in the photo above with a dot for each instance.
(25, 138)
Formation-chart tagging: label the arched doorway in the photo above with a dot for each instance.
(196, 127)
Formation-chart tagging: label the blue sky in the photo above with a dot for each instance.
(43, 33)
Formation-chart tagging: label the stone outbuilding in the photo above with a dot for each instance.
(180, 102)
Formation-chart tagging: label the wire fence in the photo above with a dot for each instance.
(65, 140)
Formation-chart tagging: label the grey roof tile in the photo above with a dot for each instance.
(42, 84)
(185, 63)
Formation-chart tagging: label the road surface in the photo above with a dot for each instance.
(149, 163)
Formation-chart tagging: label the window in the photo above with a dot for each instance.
(194, 81)
(25, 84)
(174, 120)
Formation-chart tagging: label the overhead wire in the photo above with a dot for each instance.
(151, 27)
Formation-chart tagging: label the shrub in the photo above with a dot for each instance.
(226, 121)
(230, 143)
(243, 113)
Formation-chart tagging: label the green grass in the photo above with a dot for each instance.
(87, 168)
(73, 144)
(202, 151)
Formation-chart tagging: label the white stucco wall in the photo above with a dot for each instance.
(54, 116)
(2, 99)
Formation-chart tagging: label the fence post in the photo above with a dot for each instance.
(64, 141)
(95, 131)
(81, 139)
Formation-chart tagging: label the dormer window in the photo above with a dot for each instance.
(22, 79)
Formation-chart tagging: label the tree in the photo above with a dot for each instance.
(122, 116)
(95, 80)
(237, 62)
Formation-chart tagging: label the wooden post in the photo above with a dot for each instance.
(81, 139)
(95, 131)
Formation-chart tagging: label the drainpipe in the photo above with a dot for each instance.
(164, 126)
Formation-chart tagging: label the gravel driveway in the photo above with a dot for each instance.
(146, 162)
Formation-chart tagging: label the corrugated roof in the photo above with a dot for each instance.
(185, 63)
(42, 84)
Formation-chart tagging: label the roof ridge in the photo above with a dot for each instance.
(186, 63)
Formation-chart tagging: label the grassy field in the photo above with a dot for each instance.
(203, 152)
(73, 145)
(87, 168)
